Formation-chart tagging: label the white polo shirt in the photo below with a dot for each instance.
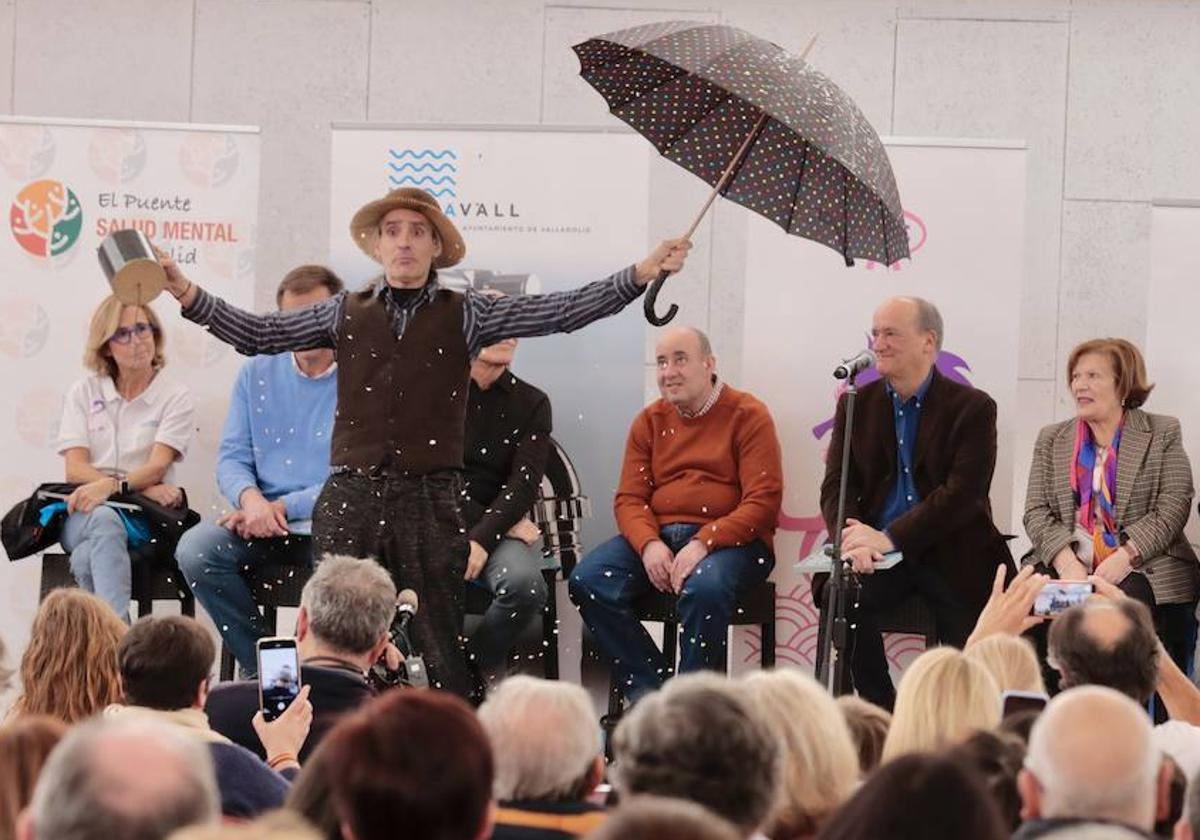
(120, 433)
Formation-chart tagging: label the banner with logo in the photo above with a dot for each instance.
(65, 184)
(1174, 298)
(805, 311)
(540, 210)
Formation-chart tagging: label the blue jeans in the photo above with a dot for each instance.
(513, 575)
(212, 559)
(607, 582)
(99, 552)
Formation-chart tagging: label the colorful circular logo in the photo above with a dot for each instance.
(208, 160)
(46, 218)
(26, 151)
(117, 155)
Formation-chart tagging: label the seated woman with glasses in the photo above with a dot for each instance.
(123, 428)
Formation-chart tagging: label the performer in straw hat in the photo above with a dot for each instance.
(404, 347)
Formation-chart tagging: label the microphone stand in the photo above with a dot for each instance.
(833, 671)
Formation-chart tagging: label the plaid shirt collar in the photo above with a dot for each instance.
(718, 387)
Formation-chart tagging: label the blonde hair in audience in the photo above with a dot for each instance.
(69, 670)
(105, 321)
(820, 768)
(943, 697)
(1011, 660)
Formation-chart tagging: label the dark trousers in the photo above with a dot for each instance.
(413, 527)
(611, 578)
(882, 591)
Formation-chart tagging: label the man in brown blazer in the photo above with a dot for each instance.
(921, 462)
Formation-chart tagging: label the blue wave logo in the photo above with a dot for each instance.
(432, 170)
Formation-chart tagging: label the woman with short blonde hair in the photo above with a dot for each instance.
(69, 669)
(943, 697)
(123, 428)
(1011, 660)
(820, 762)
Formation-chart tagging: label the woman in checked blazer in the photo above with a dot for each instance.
(1110, 492)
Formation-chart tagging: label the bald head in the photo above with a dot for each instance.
(686, 367)
(1091, 755)
(123, 781)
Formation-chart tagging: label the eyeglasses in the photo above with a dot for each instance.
(124, 335)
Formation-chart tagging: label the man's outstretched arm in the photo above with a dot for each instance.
(488, 319)
(248, 333)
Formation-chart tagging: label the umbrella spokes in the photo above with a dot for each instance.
(730, 170)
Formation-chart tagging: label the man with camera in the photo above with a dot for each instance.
(346, 610)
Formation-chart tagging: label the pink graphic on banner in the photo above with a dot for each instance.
(917, 234)
(797, 619)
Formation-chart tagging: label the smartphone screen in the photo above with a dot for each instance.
(1058, 595)
(1022, 701)
(278, 675)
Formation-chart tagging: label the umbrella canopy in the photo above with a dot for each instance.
(796, 149)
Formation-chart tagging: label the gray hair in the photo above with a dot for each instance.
(700, 738)
(350, 602)
(544, 737)
(705, 345)
(929, 320)
(93, 788)
(1117, 783)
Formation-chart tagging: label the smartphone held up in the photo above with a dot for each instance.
(278, 675)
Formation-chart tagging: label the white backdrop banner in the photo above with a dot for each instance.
(540, 210)
(194, 191)
(965, 207)
(1174, 300)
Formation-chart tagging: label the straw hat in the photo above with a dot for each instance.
(364, 227)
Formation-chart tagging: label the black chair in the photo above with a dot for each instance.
(154, 579)
(756, 606)
(558, 512)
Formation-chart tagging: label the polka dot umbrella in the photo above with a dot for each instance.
(763, 127)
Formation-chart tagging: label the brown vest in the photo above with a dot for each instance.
(402, 404)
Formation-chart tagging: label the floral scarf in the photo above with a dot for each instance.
(1096, 503)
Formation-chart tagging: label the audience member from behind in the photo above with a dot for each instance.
(820, 766)
(918, 797)
(1109, 643)
(24, 747)
(277, 825)
(346, 609)
(944, 697)
(997, 758)
(121, 780)
(547, 751)
(69, 669)
(701, 738)
(1092, 759)
(660, 818)
(311, 795)
(165, 664)
(1012, 662)
(869, 726)
(416, 763)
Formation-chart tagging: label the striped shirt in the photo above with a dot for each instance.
(486, 320)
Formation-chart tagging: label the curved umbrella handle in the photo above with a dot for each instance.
(652, 298)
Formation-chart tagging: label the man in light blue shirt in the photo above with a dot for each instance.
(273, 461)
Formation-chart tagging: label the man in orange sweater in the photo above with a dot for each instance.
(700, 491)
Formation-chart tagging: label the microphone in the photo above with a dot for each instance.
(406, 607)
(854, 365)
